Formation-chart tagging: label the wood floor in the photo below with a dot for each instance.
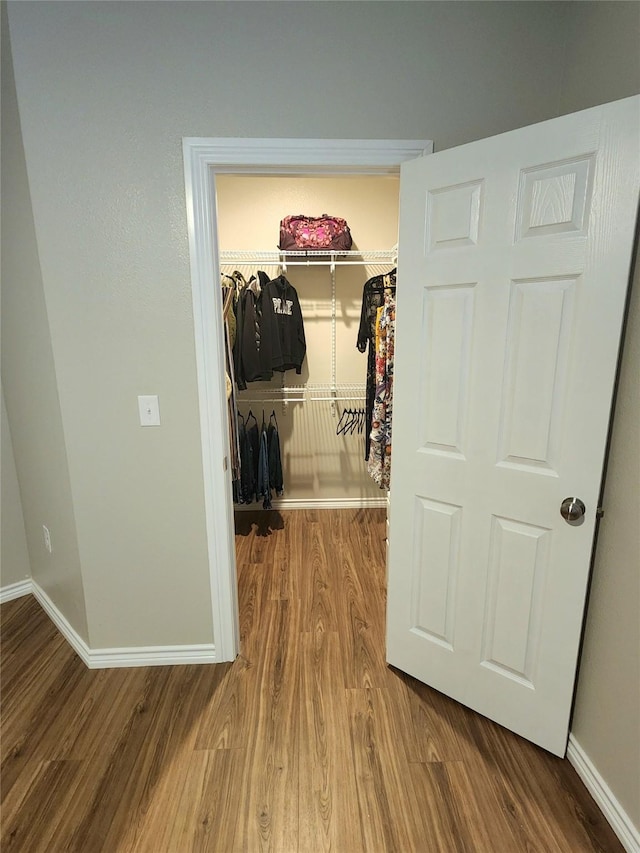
(308, 742)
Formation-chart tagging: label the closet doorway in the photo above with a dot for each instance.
(207, 160)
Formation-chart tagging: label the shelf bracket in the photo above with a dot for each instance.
(333, 335)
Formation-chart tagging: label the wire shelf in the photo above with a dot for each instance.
(308, 258)
(305, 393)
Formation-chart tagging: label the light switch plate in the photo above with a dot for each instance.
(149, 410)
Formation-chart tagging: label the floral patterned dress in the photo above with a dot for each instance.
(379, 462)
(373, 295)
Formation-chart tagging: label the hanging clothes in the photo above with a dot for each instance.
(379, 462)
(243, 486)
(232, 411)
(237, 283)
(266, 335)
(270, 329)
(261, 469)
(253, 355)
(283, 323)
(264, 491)
(276, 481)
(373, 297)
(230, 298)
(249, 456)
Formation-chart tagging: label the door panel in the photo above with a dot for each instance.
(513, 266)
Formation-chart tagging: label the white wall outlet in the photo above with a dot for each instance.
(47, 538)
(149, 409)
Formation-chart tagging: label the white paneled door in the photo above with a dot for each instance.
(512, 276)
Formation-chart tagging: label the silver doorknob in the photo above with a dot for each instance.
(572, 510)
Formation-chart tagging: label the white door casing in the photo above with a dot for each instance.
(203, 159)
(514, 258)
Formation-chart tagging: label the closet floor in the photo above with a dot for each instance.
(308, 742)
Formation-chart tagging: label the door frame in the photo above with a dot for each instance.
(204, 158)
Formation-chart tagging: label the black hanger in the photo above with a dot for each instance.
(344, 426)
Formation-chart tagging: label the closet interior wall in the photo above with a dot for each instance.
(320, 467)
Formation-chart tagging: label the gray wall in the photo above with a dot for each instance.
(14, 557)
(603, 63)
(100, 305)
(29, 380)
(602, 54)
(607, 711)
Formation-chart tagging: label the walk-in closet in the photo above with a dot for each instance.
(321, 432)
(320, 413)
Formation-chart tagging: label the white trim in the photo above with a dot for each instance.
(152, 656)
(207, 318)
(134, 656)
(316, 503)
(15, 590)
(63, 625)
(203, 158)
(306, 156)
(620, 821)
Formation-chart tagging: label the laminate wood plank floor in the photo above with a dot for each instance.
(308, 742)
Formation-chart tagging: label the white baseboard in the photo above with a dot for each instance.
(15, 590)
(316, 503)
(62, 624)
(621, 824)
(153, 656)
(119, 657)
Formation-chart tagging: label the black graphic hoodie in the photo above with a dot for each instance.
(285, 327)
